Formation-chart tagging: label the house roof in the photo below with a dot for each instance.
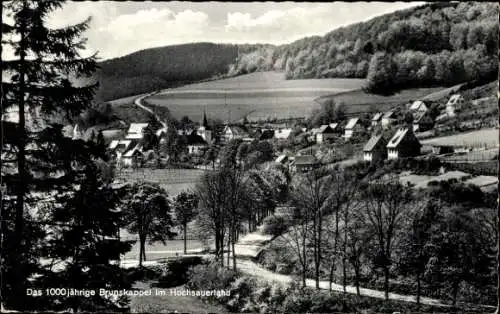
(236, 130)
(453, 99)
(281, 158)
(419, 116)
(283, 133)
(372, 142)
(418, 104)
(388, 114)
(333, 126)
(195, 139)
(351, 123)
(377, 116)
(398, 137)
(133, 151)
(266, 134)
(135, 130)
(305, 160)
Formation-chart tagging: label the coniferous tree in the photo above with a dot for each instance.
(55, 170)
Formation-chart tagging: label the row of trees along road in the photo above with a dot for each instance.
(344, 219)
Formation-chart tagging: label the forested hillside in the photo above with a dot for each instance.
(151, 69)
(435, 44)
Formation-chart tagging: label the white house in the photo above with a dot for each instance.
(377, 118)
(419, 105)
(403, 144)
(232, 132)
(454, 103)
(195, 144)
(387, 119)
(324, 133)
(352, 128)
(282, 134)
(134, 154)
(135, 131)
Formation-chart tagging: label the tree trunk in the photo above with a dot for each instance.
(234, 253)
(455, 293)
(141, 250)
(229, 239)
(386, 282)
(498, 256)
(344, 252)
(418, 289)
(185, 238)
(356, 279)
(332, 270)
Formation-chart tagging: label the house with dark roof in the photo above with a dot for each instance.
(375, 149)
(265, 134)
(422, 121)
(195, 143)
(304, 163)
(324, 133)
(403, 144)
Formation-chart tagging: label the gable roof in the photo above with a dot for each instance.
(282, 133)
(281, 158)
(351, 123)
(236, 130)
(421, 116)
(266, 134)
(398, 137)
(195, 139)
(453, 99)
(417, 105)
(388, 114)
(333, 126)
(133, 151)
(372, 142)
(377, 116)
(305, 160)
(135, 130)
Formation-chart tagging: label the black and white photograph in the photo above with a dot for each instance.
(249, 157)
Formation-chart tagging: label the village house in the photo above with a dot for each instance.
(418, 106)
(135, 131)
(233, 132)
(265, 134)
(422, 121)
(304, 163)
(132, 156)
(324, 133)
(375, 149)
(403, 144)
(195, 144)
(377, 118)
(283, 134)
(352, 128)
(454, 104)
(388, 119)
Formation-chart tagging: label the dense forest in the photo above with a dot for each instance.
(434, 44)
(151, 69)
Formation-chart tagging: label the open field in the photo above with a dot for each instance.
(360, 101)
(474, 156)
(487, 138)
(258, 96)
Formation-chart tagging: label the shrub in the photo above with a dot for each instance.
(210, 277)
(242, 290)
(176, 272)
(275, 225)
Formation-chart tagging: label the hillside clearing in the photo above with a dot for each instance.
(482, 138)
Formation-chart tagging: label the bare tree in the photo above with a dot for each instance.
(384, 209)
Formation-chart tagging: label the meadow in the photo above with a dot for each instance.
(258, 96)
(485, 138)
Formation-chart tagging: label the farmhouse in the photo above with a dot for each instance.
(454, 103)
(232, 132)
(375, 149)
(387, 119)
(304, 163)
(195, 144)
(131, 157)
(422, 121)
(283, 134)
(323, 134)
(403, 144)
(135, 131)
(377, 118)
(352, 128)
(419, 106)
(265, 134)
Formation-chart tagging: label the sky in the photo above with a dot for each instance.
(120, 28)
